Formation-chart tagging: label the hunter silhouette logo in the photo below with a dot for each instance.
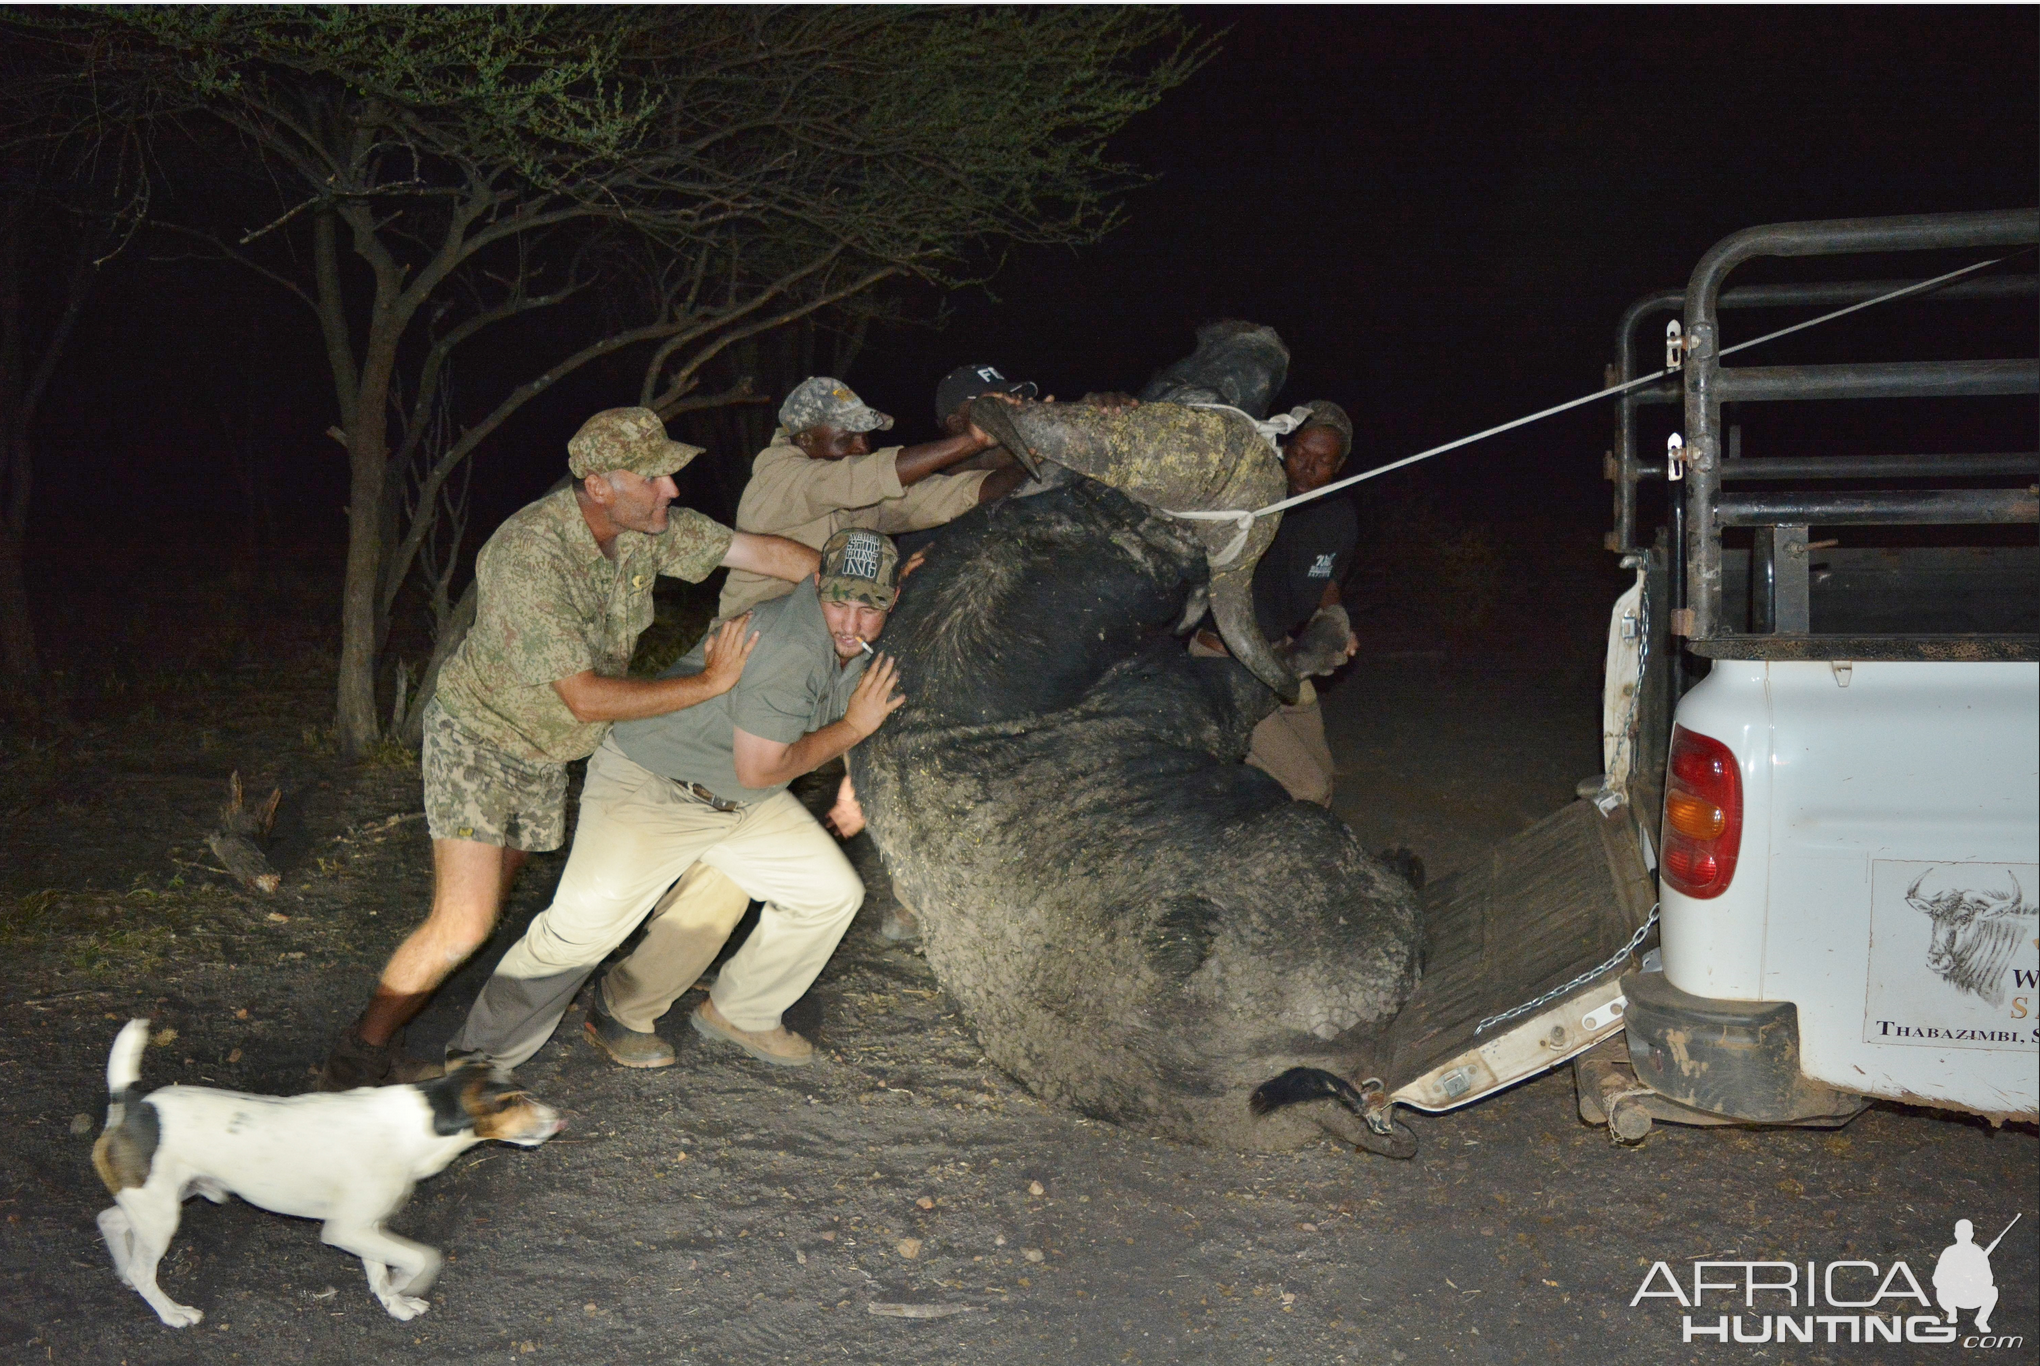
(1962, 1278)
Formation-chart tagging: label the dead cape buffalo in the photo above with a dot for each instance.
(1138, 925)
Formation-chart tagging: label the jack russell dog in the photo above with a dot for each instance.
(349, 1158)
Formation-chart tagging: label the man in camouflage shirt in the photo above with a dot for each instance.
(564, 590)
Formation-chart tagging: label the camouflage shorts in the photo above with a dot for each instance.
(475, 791)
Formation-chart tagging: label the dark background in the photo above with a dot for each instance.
(1443, 211)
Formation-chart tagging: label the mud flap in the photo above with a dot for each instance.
(1547, 906)
(1738, 1060)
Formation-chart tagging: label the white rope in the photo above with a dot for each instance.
(1270, 427)
(1277, 424)
(1245, 518)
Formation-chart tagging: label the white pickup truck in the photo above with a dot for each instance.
(1849, 846)
(1821, 732)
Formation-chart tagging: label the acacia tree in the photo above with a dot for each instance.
(439, 170)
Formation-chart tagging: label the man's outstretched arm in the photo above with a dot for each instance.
(846, 817)
(773, 556)
(595, 697)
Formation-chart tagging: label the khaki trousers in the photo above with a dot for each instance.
(1289, 746)
(639, 833)
(683, 934)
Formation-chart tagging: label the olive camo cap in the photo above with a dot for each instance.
(861, 566)
(822, 401)
(631, 439)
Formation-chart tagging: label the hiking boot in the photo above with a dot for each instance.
(625, 1046)
(356, 1062)
(778, 1045)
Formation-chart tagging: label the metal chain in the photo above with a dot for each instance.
(1635, 941)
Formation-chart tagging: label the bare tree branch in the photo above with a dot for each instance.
(242, 259)
(735, 170)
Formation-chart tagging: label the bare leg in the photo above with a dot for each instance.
(469, 880)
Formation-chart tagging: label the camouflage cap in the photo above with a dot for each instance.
(631, 439)
(861, 566)
(1324, 413)
(822, 401)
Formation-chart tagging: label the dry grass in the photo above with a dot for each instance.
(118, 935)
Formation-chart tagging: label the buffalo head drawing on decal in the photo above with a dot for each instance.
(1975, 930)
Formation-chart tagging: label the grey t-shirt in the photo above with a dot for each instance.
(792, 684)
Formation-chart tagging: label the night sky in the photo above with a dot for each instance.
(1443, 211)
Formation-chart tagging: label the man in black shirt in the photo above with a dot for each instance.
(1297, 578)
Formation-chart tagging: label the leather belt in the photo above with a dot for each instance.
(702, 794)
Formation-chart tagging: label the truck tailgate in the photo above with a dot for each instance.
(1542, 908)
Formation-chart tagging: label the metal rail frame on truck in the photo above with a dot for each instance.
(1780, 1042)
(1542, 952)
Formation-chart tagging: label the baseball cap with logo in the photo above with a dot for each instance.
(822, 401)
(967, 382)
(631, 439)
(861, 566)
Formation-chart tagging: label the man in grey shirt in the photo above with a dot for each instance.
(706, 787)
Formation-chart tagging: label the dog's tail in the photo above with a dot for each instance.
(1304, 1083)
(124, 1068)
(127, 1146)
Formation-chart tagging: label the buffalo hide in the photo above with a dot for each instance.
(1138, 925)
(1179, 459)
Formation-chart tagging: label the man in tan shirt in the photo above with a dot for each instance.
(820, 476)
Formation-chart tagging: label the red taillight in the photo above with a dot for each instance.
(1703, 815)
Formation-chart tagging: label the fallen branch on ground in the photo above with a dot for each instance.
(234, 843)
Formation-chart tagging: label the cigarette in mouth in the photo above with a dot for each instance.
(865, 646)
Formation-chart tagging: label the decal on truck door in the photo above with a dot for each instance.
(1954, 954)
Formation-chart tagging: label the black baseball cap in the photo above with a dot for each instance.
(966, 382)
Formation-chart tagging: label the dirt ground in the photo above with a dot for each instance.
(720, 1212)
